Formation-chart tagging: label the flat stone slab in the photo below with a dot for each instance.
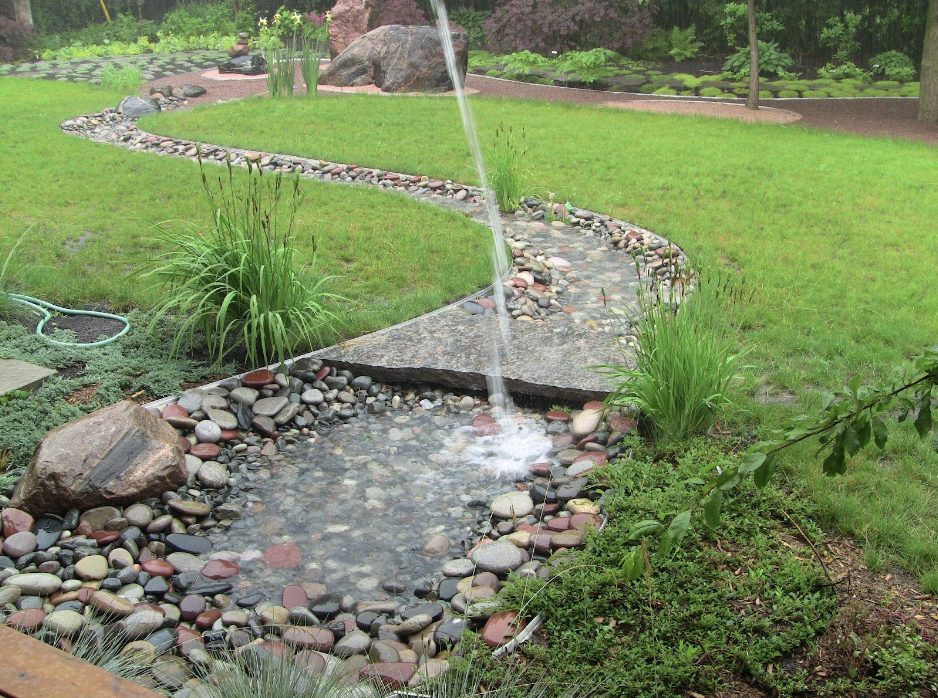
(21, 375)
(546, 360)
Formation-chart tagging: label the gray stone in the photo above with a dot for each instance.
(34, 583)
(193, 90)
(213, 475)
(141, 623)
(184, 562)
(312, 397)
(244, 396)
(20, 375)
(498, 558)
(139, 515)
(512, 505)
(207, 431)
(355, 642)
(19, 544)
(63, 623)
(269, 406)
(223, 418)
(461, 567)
(138, 106)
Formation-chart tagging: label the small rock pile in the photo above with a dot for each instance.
(147, 569)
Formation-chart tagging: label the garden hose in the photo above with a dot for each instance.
(43, 308)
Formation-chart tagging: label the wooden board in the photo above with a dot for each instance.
(32, 669)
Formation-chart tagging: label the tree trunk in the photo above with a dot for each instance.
(928, 89)
(752, 101)
(23, 11)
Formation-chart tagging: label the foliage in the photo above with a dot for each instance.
(507, 170)
(167, 43)
(840, 36)
(725, 604)
(734, 22)
(522, 63)
(772, 61)
(656, 46)
(199, 19)
(15, 37)
(684, 44)
(844, 71)
(565, 25)
(895, 65)
(238, 282)
(405, 12)
(89, 379)
(588, 66)
(684, 361)
(471, 22)
(125, 78)
(316, 29)
(310, 58)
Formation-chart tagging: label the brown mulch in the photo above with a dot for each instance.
(882, 116)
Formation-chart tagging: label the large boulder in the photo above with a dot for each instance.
(117, 455)
(138, 106)
(350, 20)
(397, 59)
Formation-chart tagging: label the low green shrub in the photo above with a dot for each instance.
(685, 361)
(711, 92)
(237, 283)
(895, 65)
(845, 71)
(647, 89)
(665, 91)
(910, 89)
(772, 61)
(765, 94)
(587, 66)
(789, 94)
(494, 73)
(843, 92)
(875, 93)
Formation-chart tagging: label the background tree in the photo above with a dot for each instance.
(928, 90)
(23, 12)
(752, 101)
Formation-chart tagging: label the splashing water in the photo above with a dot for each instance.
(516, 445)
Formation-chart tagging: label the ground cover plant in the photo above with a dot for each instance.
(816, 317)
(606, 70)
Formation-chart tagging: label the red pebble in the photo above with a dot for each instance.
(205, 451)
(221, 569)
(206, 619)
(157, 568)
(257, 379)
(105, 537)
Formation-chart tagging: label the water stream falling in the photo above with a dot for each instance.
(516, 446)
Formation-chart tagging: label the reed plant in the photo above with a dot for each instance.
(238, 283)
(281, 72)
(685, 359)
(126, 78)
(507, 171)
(310, 57)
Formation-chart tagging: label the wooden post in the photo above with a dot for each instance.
(752, 101)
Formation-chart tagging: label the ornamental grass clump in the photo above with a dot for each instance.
(507, 173)
(126, 78)
(310, 57)
(684, 363)
(238, 283)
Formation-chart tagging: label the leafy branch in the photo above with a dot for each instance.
(851, 419)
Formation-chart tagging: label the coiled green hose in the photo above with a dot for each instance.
(43, 308)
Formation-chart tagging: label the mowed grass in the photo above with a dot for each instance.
(89, 208)
(834, 234)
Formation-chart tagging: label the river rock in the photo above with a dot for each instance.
(118, 455)
(498, 558)
(397, 59)
(512, 505)
(34, 583)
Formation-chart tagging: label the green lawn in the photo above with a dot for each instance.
(88, 208)
(833, 233)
